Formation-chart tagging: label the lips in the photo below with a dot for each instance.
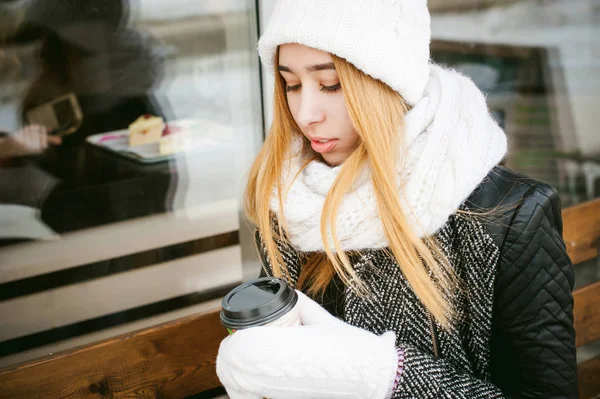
(323, 145)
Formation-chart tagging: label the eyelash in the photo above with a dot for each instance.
(331, 89)
(324, 89)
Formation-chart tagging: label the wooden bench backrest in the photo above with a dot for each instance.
(177, 359)
(581, 232)
(587, 314)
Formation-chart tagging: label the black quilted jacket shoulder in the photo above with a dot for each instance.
(533, 339)
(514, 336)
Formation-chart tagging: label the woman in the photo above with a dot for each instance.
(378, 193)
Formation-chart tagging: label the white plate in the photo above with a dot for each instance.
(201, 135)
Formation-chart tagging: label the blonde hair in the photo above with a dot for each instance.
(377, 113)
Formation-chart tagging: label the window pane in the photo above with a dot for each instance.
(128, 130)
(537, 62)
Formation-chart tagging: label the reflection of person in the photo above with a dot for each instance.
(377, 193)
(87, 50)
(21, 181)
(23, 186)
(30, 140)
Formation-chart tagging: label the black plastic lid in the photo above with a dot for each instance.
(256, 303)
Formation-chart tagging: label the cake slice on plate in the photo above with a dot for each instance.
(145, 130)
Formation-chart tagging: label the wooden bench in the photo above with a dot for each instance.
(176, 359)
(581, 232)
(173, 360)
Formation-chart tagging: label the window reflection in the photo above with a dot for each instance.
(537, 61)
(84, 71)
(127, 129)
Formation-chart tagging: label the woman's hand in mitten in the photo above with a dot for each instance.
(323, 358)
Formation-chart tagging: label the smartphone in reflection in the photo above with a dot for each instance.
(61, 116)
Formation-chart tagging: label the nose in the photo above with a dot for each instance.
(310, 112)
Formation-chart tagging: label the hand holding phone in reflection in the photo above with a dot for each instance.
(30, 140)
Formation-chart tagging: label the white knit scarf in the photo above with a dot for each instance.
(452, 143)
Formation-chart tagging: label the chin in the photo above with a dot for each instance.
(332, 160)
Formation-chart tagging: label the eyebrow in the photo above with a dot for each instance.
(311, 68)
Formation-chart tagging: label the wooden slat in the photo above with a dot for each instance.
(173, 360)
(587, 314)
(589, 378)
(581, 230)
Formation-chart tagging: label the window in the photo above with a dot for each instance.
(121, 225)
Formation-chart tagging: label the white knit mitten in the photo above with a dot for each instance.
(323, 358)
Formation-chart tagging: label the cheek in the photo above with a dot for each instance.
(294, 106)
(342, 118)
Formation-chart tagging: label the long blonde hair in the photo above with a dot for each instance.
(377, 113)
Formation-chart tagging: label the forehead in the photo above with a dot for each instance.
(293, 54)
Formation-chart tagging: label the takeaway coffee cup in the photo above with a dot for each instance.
(264, 301)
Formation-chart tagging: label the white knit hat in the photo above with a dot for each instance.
(387, 39)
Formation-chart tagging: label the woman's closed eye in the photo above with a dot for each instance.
(331, 89)
(293, 88)
(325, 89)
